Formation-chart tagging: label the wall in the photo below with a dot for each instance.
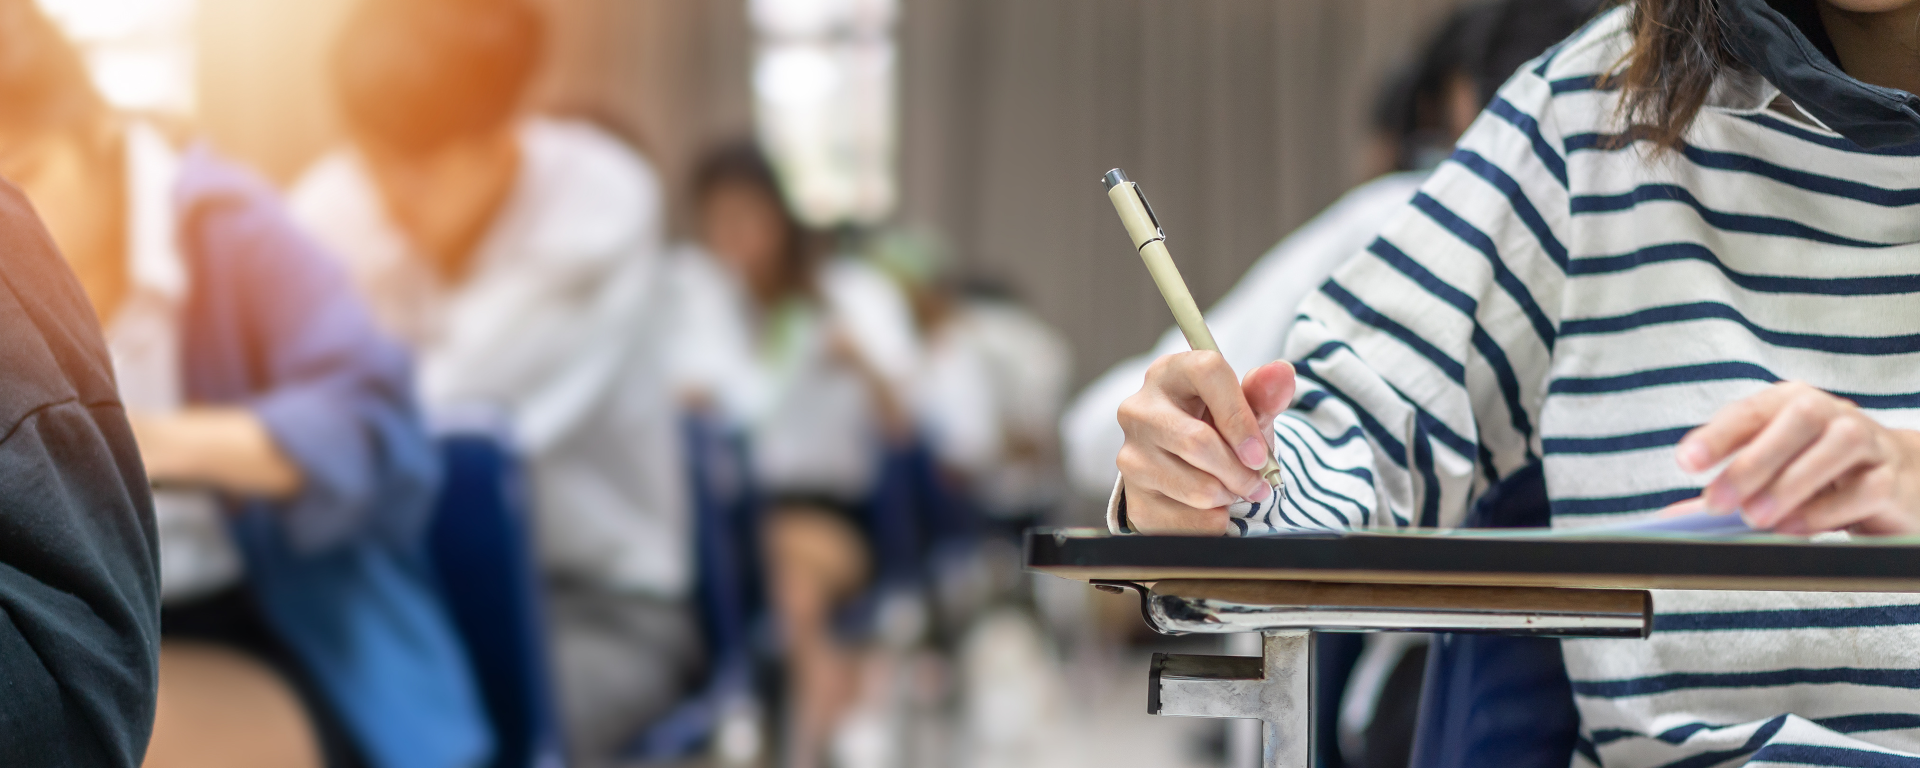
(1240, 118)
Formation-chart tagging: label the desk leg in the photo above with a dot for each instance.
(1275, 688)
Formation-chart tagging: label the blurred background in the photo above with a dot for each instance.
(979, 125)
(989, 121)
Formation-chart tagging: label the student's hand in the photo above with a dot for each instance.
(1196, 440)
(224, 448)
(1804, 461)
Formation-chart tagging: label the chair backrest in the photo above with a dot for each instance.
(480, 546)
(726, 532)
(914, 512)
(728, 585)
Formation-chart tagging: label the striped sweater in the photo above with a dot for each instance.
(1548, 299)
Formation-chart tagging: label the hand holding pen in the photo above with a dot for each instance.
(1198, 437)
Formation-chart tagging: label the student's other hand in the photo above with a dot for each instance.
(1805, 461)
(224, 448)
(1196, 440)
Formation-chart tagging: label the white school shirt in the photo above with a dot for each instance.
(552, 328)
(812, 422)
(1249, 323)
(954, 400)
(997, 403)
(1549, 297)
(197, 554)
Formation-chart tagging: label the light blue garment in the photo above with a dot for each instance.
(340, 572)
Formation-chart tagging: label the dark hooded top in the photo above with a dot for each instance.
(79, 579)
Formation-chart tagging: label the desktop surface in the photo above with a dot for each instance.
(1538, 559)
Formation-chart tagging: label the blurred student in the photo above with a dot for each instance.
(78, 582)
(826, 349)
(991, 381)
(294, 476)
(1419, 116)
(80, 647)
(519, 256)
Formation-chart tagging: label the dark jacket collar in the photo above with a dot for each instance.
(1786, 43)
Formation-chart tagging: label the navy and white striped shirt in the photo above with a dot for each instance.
(1546, 298)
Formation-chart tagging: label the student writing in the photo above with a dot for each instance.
(1654, 227)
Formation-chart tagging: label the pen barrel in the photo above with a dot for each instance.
(1148, 240)
(1186, 313)
(1151, 243)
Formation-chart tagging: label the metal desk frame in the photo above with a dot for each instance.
(1289, 588)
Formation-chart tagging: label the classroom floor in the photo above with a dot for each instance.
(1017, 698)
(1011, 694)
(1093, 716)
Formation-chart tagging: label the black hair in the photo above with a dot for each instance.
(743, 163)
(1517, 31)
(1483, 42)
(415, 74)
(1680, 47)
(43, 80)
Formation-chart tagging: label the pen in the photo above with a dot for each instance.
(1144, 228)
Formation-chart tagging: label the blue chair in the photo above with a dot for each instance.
(478, 542)
(917, 524)
(728, 586)
(1491, 699)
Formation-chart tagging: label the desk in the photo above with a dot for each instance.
(1289, 587)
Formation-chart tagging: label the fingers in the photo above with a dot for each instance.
(1269, 390)
(1156, 470)
(1835, 507)
(1195, 440)
(1792, 427)
(1845, 444)
(1157, 427)
(1734, 425)
(1233, 417)
(1805, 461)
(1166, 414)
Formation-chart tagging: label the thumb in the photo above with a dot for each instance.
(1269, 390)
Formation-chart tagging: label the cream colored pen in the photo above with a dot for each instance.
(1151, 241)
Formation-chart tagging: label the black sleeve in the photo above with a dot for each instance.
(79, 584)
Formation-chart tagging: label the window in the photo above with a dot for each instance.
(140, 52)
(823, 84)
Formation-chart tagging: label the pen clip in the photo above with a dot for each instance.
(1162, 233)
(1117, 177)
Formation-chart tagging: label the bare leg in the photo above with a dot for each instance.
(817, 560)
(222, 709)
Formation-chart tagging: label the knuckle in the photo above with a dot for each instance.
(1161, 366)
(1877, 484)
(1134, 410)
(1192, 438)
(1803, 408)
(1849, 432)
